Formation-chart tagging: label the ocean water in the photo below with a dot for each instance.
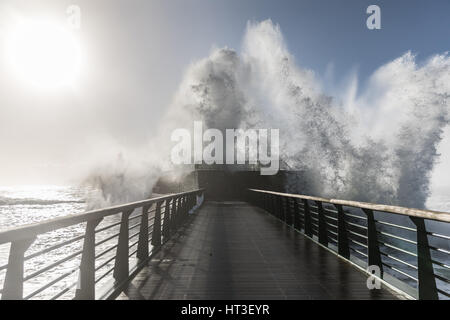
(30, 204)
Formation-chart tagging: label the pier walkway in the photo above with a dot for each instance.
(233, 250)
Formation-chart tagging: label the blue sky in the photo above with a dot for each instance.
(318, 32)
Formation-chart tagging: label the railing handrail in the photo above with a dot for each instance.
(362, 238)
(420, 213)
(34, 229)
(169, 213)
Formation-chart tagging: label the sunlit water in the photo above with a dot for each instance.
(31, 204)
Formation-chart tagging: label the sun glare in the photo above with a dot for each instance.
(44, 54)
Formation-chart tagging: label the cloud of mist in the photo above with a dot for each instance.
(120, 182)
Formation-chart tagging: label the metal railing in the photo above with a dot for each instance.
(159, 218)
(411, 247)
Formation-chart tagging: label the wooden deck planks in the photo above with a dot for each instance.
(236, 251)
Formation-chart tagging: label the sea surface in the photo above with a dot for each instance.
(30, 204)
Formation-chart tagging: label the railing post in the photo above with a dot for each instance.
(13, 285)
(266, 202)
(283, 207)
(142, 249)
(296, 215)
(173, 216)
(279, 207)
(373, 248)
(183, 206)
(185, 209)
(323, 237)
(343, 248)
(308, 226)
(188, 205)
(269, 203)
(193, 200)
(86, 278)
(121, 265)
(274, 205)
(289, 211)
(156, 235)
(166, 223)
(427, 280)
(198, 199)
(180, 210)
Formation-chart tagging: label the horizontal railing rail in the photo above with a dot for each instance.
(410, 247)
(153, 225)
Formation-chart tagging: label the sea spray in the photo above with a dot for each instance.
(382, 149)
(121, 181)
(380, 146)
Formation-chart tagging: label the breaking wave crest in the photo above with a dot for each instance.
(378, 145)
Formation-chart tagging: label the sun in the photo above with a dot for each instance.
(44, 54)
